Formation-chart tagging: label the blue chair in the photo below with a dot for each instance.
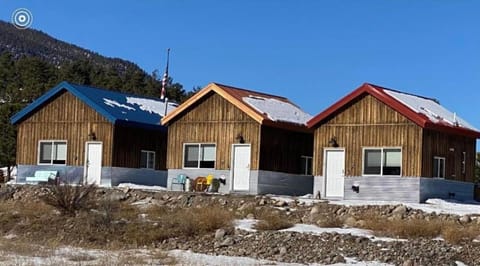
(179, 180)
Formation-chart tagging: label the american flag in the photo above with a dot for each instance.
(165, 77)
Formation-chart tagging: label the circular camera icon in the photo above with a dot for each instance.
(22, 18)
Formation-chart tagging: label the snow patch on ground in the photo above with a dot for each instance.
(247, 225)
(431, 205)
(141, 187)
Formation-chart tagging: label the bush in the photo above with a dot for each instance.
(69, 199)
(455, 234)
(272, 221)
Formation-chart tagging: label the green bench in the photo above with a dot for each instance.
(41, 176)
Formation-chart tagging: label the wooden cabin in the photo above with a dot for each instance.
(382, 144)
(92, 135)
(258, 143)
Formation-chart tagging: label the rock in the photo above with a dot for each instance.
(220, 233)
(282, 251)
(360, 223)
(250, 216)
(165, 197)
(315, 209)
(243, 207)
(227, 242)
(350, 221)
(408, 262)
(262, 202)
(117, 196)
(465, 219)
(400, 210)
(281, 203)
(126, 189)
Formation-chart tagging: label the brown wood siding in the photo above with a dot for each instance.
(281, 149)
(129, 142)
(212, 120)
(451, 148)
(63, 118)
(368, 122)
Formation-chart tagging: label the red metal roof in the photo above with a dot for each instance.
(385, 95)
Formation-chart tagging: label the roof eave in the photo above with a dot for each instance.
(287, 126)
(453, 130)
(202, 93)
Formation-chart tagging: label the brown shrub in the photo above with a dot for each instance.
(456, 233)
(414, 228)
(272, 221)
(69, 199)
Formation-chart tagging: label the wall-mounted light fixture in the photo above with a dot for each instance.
(333, 142)
(239, 138)
(92, 136)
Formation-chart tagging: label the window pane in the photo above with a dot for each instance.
(441, 168)
(208, 152)
(151, 160)
(372, 162)
(436, 167)
(191, 156)
(61, 151)
(306, 165)
(45, 152)
(208, 156)
(143, 159)
(392, 161)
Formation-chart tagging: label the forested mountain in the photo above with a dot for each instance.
(32, 62)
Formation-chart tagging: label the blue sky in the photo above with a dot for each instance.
(313, 52)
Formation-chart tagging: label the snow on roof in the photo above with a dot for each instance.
(278, 110)
(434, 111)
(113, 103)
(152, 106)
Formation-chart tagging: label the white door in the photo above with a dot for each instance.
(93, 162)
(241, 167)
(334, 172)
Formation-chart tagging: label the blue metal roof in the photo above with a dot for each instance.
(116, 107)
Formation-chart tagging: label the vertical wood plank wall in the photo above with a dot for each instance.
(281, 149)
(451, 148)
(129, 142)
(212, 120)
(64, 118)
(368, 122)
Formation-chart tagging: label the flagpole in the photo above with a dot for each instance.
(165, 77)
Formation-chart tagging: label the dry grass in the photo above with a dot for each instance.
(404, 228)
(456, 234)
(452, 232)
(272, 221)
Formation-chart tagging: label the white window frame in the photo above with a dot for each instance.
(307, 158)
(149, 153)
(382, 159)
(444, 166)
(53, 143)
(199, 155)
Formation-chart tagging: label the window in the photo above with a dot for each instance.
(306, 165)
(464, 158)
(439, 167)
(147, 159)
(382, 161)
(52, 152)
(199, 155)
